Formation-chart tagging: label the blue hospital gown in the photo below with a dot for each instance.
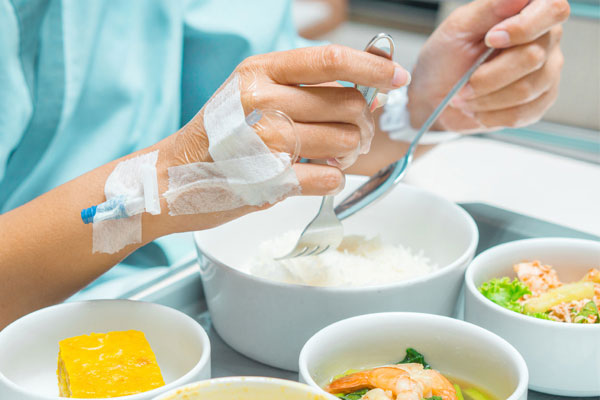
(85, 82)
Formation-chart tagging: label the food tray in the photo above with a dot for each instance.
(181, 288)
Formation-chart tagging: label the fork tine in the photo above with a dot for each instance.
(313, 251)
(322, 251)
(300, 253)
(297, 252)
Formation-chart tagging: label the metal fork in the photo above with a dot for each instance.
(326, 231)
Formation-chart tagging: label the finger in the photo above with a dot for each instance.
(327, 140)
(319, 180)
(310, 104)
(522, 91)
(521, 115)
(312, 65)
(509, 66)
(477, 17)
(319, 104)
(532, 22)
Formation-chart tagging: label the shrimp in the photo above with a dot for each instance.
(377, 394)
(404, 381)
(538, 278)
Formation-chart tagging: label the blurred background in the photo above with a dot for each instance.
(572, 124)
(550, 170)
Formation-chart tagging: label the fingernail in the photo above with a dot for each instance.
(333, 162)
(460, 104)
(457, 102)
(401, 77)
(467, 112)
(380, 101)
(466, 92)
(497, 39)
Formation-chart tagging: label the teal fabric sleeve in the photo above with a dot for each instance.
(85, 82)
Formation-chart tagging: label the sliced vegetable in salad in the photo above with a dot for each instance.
(397, 381)
(538, 292)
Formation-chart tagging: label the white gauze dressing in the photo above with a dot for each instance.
(127, 180)
(244, 171)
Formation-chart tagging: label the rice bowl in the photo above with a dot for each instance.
(270, 321)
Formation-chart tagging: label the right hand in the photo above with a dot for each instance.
(332, 122)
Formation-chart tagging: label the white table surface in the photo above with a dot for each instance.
(527, 181)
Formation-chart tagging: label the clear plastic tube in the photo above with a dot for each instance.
(114, 208)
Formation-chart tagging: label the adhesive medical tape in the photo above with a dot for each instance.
(135, 181)
(244, 171)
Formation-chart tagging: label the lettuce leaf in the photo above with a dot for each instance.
(505, 293)
(588, 309)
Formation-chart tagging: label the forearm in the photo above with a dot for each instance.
(46, 251)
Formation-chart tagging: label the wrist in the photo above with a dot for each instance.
(419, 107)
(186, 146)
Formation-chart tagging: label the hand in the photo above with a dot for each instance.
(512, 89)
(333, 123)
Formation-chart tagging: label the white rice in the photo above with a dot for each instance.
(358, 261)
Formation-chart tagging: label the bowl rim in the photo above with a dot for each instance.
(510, 350)
(228, 380)
(489, 254)
(202, 362)
(464, 258)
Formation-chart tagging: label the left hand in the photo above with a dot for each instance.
(513, 88)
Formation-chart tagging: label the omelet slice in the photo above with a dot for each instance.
(104, 365)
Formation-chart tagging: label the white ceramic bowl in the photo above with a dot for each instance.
(29, 346)
(563, 359)
(453, 347)
(246, 388)
(270, 321)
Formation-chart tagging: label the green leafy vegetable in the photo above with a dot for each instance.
(540, 315)
(459, 395)
(354, 395)
(475, 394)
(588, 309)
(505, 293)
(413, 356)
(434, 398)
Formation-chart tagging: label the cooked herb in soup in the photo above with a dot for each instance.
(411, 378)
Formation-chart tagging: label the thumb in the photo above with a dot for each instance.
(478, 17)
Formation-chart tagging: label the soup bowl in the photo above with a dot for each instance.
(457, 349)
(269, 321)
(29, 346)
(563, 358)
(245, 388)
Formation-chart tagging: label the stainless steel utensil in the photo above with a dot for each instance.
(325, 231)
(384, 180)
